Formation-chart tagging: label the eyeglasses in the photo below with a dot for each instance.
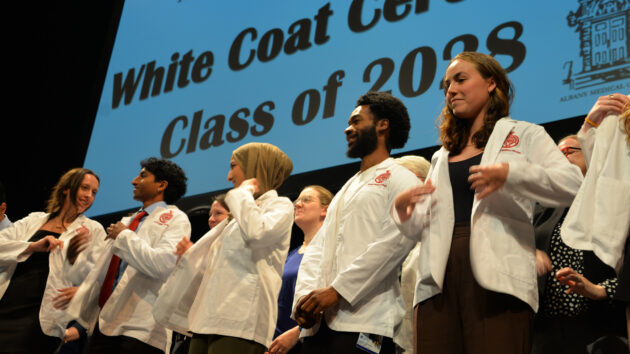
(305, 200)
(568, 150)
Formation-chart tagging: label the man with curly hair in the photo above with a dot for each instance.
(125, 282)
(350, 272)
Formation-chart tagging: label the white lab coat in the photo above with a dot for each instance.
(502, 247)
(228, 282)
(14, 241)
(599, 219)
(358, 250)
(150, 258)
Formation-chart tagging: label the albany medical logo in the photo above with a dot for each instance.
(602, 26)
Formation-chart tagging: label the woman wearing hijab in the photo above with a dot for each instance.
(225, 287)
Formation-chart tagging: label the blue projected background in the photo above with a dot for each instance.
(193, 80)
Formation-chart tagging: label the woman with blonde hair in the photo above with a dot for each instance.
(38, 275)
(403, 337)
(416, 164)
(225, 288)
(310, 211)
(476, 289)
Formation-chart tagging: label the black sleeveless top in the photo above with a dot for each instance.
(463, 196)
(19, 306)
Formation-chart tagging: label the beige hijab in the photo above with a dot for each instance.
(265, 162)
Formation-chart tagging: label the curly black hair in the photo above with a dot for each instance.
(166, 170)
(385, 106)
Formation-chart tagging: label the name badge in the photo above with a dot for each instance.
(370, 343)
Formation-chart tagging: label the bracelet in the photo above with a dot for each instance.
(591, 122)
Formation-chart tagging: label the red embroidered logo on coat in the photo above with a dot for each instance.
(382, 177)
(82, 229)
(166, 216)
(511, 141)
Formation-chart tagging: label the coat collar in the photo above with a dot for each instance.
(501, 130)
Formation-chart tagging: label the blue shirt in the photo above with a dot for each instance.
(285, 298)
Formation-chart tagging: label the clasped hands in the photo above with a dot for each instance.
(310, 307)
(114, 229)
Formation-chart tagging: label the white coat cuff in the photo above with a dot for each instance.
(412, 228)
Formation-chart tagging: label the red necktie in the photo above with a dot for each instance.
(108, 283)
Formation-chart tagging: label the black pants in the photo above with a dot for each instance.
(104, 344)
(327, 341)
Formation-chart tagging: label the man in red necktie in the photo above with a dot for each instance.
(141, 260)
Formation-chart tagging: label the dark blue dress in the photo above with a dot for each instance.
(285, 299)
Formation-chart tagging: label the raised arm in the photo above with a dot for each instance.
(14, 245)
(158, 260)
(90, 246)
(264, 225)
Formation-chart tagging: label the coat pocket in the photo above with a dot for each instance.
(504, 245)
(239, 295)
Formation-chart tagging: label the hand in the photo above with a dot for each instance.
(284, 342)
(605, 106)
(114, 229)
(578, 284)
(318, 301)
(251, 185)
(71, 335)
(62, 300)
(487, 179)
(406, 201)
(543, 263)
(306, 320)
(45, 244)
(182, 246)
(78, 244)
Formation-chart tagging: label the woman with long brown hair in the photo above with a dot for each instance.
(476, 290)
(38, 275)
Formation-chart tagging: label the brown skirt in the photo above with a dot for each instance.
(465, 318)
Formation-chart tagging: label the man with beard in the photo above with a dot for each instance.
(347, 293)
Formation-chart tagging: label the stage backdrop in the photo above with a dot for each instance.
(193, 80)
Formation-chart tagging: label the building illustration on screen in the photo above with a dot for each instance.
(602, 26)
